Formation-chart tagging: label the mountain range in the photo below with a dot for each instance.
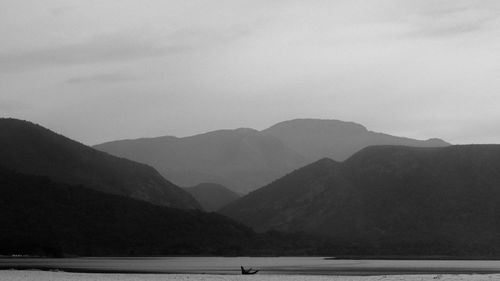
(59, 197)
(246, 159)
(46, 218)
(316, 138)
(43, 217)
(388, 199)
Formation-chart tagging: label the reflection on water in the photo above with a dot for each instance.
(267, 265)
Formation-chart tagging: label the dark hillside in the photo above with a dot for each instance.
(391, 200)
(41, 217)
(32, 149)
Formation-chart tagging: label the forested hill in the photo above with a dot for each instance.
(42, 217)
(32, 149)
(389, 199)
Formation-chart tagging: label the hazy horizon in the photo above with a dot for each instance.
(100, 71)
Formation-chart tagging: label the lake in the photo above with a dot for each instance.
(266, 265)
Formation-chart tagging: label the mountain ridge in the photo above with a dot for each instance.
(240, 159)
(32, 149)
(44, 218)
(245, 159)
(336, 139)
(386, 199)
(40, 216)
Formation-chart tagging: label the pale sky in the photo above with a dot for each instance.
(111, 69)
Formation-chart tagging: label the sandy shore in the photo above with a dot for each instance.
(36, 275)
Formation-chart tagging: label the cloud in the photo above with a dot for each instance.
(100, 49)
(453, 21)
(103, 78)
(118, 47)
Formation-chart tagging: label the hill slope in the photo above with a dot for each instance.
(212, 196)
(42, 217)
(246, 159)
(32, 149)
(389, 199)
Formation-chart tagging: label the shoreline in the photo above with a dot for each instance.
(32, 275)
(340, 257)
(267, 266)
(320, 272)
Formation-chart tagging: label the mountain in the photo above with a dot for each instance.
(280, 204)
(316, 138)
(32, 149)
(42, 217)
(212, 196)
(246, 159)
(241, 159)
(389, 199)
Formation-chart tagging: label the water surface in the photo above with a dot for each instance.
(266, 265)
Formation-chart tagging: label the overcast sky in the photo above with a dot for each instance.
(111, 69)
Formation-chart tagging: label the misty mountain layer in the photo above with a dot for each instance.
(246, 159)
(212, 196)
(315, 138)
(241, 159)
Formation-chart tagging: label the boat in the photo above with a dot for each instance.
(248, 271)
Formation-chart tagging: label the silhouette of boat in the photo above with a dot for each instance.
(247, 271)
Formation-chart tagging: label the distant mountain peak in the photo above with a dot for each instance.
(318, 138)
(317, 124)
(324, 161)
(437, 142)
(245, 130)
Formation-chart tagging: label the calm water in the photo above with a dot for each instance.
(271, 265)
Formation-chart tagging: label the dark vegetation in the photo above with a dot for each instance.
(389, 200)
(32, 149)
(45, 218)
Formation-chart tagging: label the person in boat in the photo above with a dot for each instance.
(248, 271)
